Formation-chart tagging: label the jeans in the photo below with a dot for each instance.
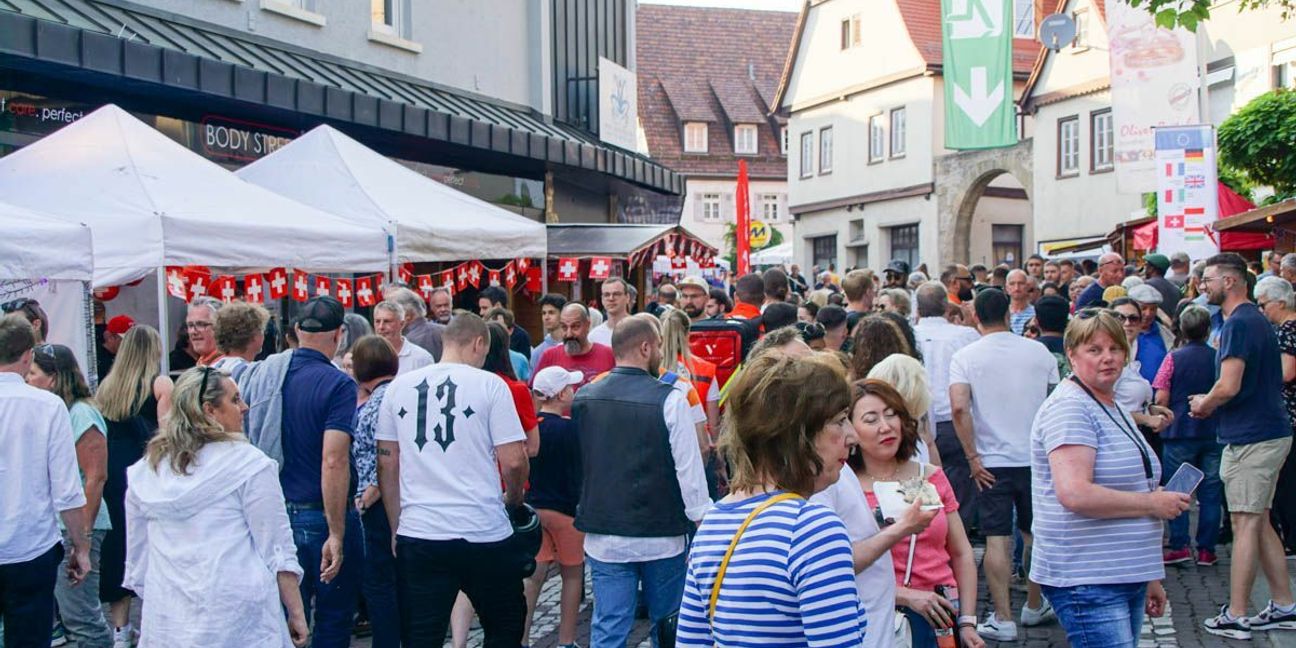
(924, 636)
(431, 573)
(1205, 455)
(378, 583)
(334, 603)
(27, 599)
(79, 607)
(1100, 616)
(616, 586)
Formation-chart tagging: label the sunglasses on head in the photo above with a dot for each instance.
(18, 304)
(46, 350)
(202, 391)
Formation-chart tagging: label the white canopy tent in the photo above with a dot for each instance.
(780, 254)
(153, 203)
(431, 222)
(52, 262)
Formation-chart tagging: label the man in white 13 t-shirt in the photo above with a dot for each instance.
(446, 435)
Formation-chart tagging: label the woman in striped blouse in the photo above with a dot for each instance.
(789, 581)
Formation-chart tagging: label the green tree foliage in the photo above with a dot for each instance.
(1190, 13)
(1260, 141)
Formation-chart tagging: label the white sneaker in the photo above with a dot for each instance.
(994, 628)
(122, 637)
(1031, 617)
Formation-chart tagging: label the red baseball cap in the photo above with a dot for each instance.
(120, 324)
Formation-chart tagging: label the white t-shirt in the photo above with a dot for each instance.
(411, 357)
(601, 334)
(448, 419)
(1010, 377)
(877, 583)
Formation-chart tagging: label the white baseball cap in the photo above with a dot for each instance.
(550, 381)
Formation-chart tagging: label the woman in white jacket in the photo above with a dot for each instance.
(209, 548)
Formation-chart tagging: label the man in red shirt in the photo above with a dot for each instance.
(577, 353)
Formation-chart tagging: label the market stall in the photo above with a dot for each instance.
(162, 214)
(59, 282)
(581, 255)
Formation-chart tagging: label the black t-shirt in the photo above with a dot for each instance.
(555, 480)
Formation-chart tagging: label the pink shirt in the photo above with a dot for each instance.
(931, 565)
(1162, 378)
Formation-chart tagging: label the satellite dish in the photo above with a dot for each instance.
(1057, 31)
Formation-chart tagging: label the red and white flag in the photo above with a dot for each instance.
(300, 286)
(510, 275)
(323, 286)
(568, 269)
(176, 285)
(364, 289)
(493, 278)
(406, 274)
(475, 273)
(254, 289)
(225, 288)
(461, 272)
(448, 279)
(522, 265)
(199, 284)
(107, 293)
(345, 292)
(277, 282)
(425, 286)
(600, 267)
(679, 263)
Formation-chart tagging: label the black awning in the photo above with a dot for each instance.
(129, 43)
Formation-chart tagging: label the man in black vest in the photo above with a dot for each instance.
(636, 430)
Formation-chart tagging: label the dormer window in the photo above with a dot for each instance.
(695, 137)
(745, 139)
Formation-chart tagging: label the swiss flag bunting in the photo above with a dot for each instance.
(300, 286)
(679, 263)
(568, 269)
(406, 274)
(522, 265)
(254, 288)
(176, 285)
(461, 273)
(494, 278)
(425, 286)
(364, 289)
(600, 267)
(277, 282)
(323, 286)
(475, 273)
(225, 288)
(510, 275)
(448, 279)
(107, 293)
(534, 280)
(345, 292)
(199, 284)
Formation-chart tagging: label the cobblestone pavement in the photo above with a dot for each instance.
(1195, 595)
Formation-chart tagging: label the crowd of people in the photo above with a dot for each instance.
(404, 473)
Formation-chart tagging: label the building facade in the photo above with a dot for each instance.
(864, 93)
(1242, 55)
(706, 80)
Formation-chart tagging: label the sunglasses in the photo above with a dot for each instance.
(18, 304)
(202, 391)
(1089, 313)
(46, 350)
(1129, 319)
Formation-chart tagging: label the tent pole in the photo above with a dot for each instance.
(164, 324)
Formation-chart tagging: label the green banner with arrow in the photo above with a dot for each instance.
(977, 37)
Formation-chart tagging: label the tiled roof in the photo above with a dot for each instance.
(715, 65)
(922, 18)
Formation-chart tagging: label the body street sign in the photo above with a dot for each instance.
(977, 37)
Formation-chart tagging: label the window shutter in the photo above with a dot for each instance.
(698, 209)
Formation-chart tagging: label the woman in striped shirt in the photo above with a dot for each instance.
(789, 581)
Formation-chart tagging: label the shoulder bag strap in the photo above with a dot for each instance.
(913, 539)
(724, 563)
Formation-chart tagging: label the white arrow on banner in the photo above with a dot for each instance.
(976, 19)
(979, 105)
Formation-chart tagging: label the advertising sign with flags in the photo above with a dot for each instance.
(1187, 200)
(977, 62)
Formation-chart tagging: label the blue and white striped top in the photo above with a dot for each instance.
(789, 583)
(1071, 549)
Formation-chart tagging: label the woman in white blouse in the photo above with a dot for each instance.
(209, 548)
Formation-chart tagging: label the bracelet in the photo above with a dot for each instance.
(965, 624)
(967, 620)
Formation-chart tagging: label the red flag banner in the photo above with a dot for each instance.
(323, 286)
(742, 227)
(523, 264)
(493, 278)
(199, 283)
(425, 286)
(277, 281)
(568, 269)
(510, 275)
(461, 273)
(345, 292)
(475, 273)
(107, 293)
(447, 279)
(225, 288)
(600, 268)
(254, 289)
(534, 280)
(406, 274)
(176, 285)
(364, 290)
(300, 286)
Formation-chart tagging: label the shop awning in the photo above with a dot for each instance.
(431, 222)
(122, 44)
(1262, 219)
(623, 241)
(1076, 245)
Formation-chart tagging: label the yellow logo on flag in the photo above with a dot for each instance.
(759, 235)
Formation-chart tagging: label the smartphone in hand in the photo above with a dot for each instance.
(1185, 480)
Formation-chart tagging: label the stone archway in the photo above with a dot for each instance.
(961, 180)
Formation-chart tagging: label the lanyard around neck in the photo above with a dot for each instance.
(1124, 425)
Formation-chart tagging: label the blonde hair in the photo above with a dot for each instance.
(908, 377)
(675, 344)
(189, 427)
(1089, 323)
(130, 382)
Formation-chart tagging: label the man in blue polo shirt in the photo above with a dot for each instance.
(1252, 421)
(318, 405)
(1111, 270)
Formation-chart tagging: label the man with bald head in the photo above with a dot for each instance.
(577, 352)
(1020, 309)
(1111, 271)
